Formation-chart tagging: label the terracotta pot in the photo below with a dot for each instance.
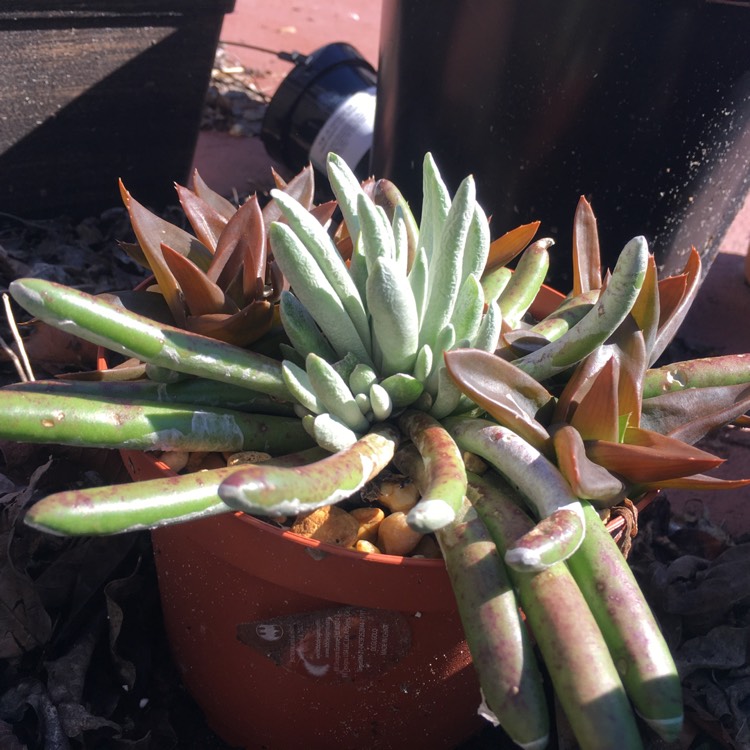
(287, 642)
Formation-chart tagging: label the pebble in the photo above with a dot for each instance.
(328, 524)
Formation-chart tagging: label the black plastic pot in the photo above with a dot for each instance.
(326, 103)
(96, 90)
(642, 106)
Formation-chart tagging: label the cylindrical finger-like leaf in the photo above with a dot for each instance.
(467, 314)
(418, 282)
(110, 326)
(334, 393)
(494, 282)
(98, 422)
(435, 205)
(600, 322)
(629, 628)
(477, 245)
(375, 235)
(284, 491)
(320, 246)
(575, 653)
(301, 328)
(730, 369)
(537, 479)
(136, 506)
(566, 316)
(446, 263)
(448, 396)
(395, 322)
(347, 190)
(197, 392)
(445, 475)
(299, 385)
(495, 633)
(403, 390)
(525, 283)
(315, 292)
(489, 329)
(131, 507)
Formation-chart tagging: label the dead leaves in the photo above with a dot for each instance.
(24, 622)
(80, 629)
(696, 579)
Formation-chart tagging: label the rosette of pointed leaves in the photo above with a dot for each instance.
(220, 280)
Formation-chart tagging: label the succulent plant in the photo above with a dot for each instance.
(220, 281)
(414, 349)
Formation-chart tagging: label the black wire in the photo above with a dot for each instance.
(292, 57)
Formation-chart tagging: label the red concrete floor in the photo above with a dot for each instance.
(300, 26)
(719, 322)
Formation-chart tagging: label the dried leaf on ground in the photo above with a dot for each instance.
(703, 605)
(24, 622)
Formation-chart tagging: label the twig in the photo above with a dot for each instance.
(22, 365)
(14, 359)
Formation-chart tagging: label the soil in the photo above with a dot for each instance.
(85, 662)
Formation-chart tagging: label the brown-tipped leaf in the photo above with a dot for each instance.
(323, 212)
(588, 480)
(255, 252)
(629, 346)
(599, 418)
(648, 457)
(671, 290)
(509, 245)
(702, 424)
(646, 310)
(242, 243)
(587, 269)
(301, 187)
(240, 329)
(200, 294)
(218, 202)
(513, 398)
(596, 416)
(697, 482)
(672, 315)
(579, 383)
(206, 221)
(151, 230)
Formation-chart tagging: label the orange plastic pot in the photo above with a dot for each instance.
(286, 642)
